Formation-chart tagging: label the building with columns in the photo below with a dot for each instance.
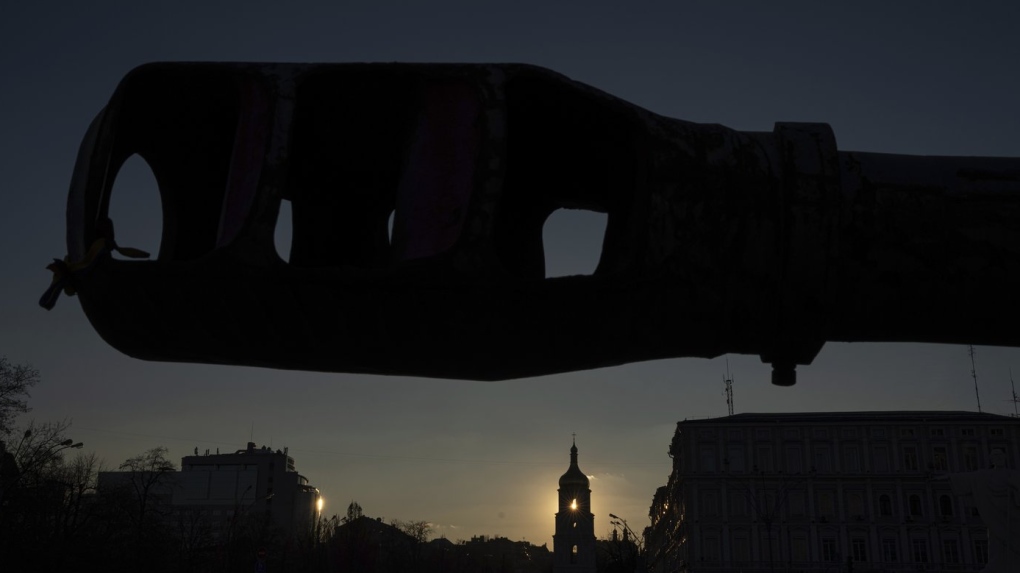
(820, 491)
(574, 540)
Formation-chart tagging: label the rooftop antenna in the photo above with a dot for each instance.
(728, 381)
(1016, 399)
(973, 373)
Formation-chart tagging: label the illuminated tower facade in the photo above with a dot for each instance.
(574, 540)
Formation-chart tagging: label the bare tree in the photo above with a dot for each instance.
(418, 533)
(353, 512)
(15, 381)
(147, 473)
(39, 452)
(81, 477)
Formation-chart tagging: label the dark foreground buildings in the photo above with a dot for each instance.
(223, 490)
(826, 492)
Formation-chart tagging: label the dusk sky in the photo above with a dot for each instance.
(473, 458)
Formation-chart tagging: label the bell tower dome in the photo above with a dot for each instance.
(574, 540)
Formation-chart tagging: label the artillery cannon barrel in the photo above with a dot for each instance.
(717, 240)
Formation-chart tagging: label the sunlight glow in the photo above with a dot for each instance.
(318, 504)
(573, 504)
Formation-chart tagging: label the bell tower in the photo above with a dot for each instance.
(574, 540)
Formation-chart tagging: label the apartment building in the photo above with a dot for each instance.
(225, 490)
(825, 492)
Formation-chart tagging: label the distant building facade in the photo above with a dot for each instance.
(817, 492)
(226, 488)
(574, 540)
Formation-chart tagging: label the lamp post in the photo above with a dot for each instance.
(31, 460)
(621, 522)
(26, 459)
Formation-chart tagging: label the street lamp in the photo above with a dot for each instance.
(621, 522)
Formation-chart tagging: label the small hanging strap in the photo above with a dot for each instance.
(65, 271)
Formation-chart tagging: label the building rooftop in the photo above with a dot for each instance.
(844, 417)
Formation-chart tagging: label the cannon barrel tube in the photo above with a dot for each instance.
(717, 241)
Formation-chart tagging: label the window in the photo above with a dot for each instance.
(794, 460)
(914, 503)
(970, 458)
(878, 432)
(762, 434)
(741, 549)
(945, 506)
(826, 505)
(889, 553)
(938, 432)
(735, 458)
(919, 550)
(796, 504)
(820, 433)
(848, 432)
(800, 548)
(858, 548)
(829, 549)
(791, 433)
(906, 432)
(822, 459)
(709, 503)
(998, 432)
(950, 551)
(764, 458)
(855, 502)
(707, 458)
(885, 505)
(880, 459)
(851, 459)
(910, 458)
(738, 504)
(711, 548)
(573, 554)
(981, 551)
(940, 459)
(967, 432)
